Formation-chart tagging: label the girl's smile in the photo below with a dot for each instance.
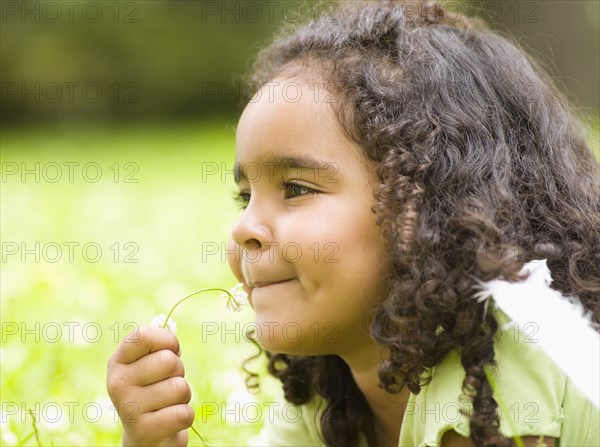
(263, 284)
(312, 253)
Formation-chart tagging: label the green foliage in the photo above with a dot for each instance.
(151, 59)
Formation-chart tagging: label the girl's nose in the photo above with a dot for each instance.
(250, 231)
(249, 238)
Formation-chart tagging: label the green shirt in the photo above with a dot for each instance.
(539, 398)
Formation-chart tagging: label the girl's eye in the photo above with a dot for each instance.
(242, 199)
(291, 190)
(295, 190)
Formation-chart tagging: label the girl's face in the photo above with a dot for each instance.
(306, 246)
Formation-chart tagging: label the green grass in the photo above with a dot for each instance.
(165, 217)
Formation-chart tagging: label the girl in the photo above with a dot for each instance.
(405, 156)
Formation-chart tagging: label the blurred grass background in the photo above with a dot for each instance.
(168, 214)
(171, 80)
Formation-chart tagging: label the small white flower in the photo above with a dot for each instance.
(159, 321)
(239, 293)
(237, 298)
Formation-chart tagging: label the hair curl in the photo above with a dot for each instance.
(478, 154)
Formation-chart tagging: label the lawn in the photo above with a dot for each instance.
(102, 229)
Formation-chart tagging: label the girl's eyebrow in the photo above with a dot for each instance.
(280, 163)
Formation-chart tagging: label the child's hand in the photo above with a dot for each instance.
(145, 382)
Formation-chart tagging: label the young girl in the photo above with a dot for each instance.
(391, 158)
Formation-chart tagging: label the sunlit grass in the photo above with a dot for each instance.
(76, 312)
(175, 222)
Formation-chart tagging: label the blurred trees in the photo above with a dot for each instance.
(109, 59)
(79, 60)
(563, 34)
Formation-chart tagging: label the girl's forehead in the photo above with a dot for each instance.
(288, 94)
(287, 113)
(291, 123)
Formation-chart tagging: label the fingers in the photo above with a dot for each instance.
(166, 393)
(145, 382)
(143, 341)
(126, 380)
(133, 382)
(152, 368)
(161, 424)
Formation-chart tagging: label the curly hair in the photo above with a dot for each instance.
(482, 166)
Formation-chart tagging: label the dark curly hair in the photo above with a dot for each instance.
(482, 166)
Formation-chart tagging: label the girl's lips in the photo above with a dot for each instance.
(259, 284)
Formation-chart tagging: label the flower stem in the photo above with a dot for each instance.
(165, 326)
(200, 436)
(189, 296)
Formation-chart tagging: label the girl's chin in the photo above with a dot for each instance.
(290, 338)
(295, 349)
